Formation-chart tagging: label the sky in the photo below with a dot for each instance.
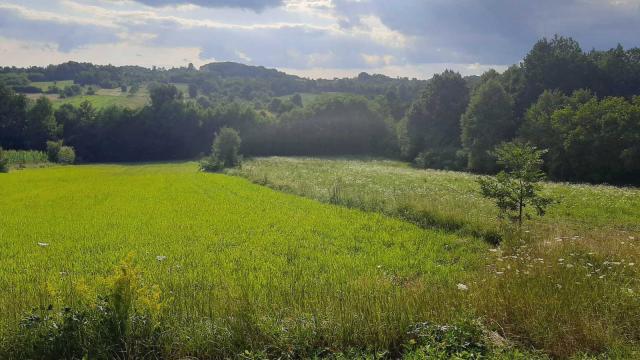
(310, 38)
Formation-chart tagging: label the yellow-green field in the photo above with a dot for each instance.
(568, 283)
(164, 261)
(219, 266)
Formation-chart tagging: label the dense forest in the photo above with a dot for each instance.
(582, 107)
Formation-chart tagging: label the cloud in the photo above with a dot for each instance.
(19, 23)
(410, 36)
(256, 5)
(285, 45)
(496, 31)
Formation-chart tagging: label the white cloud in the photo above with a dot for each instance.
(41, 54)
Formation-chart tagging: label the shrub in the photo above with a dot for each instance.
(449, 158)
(4, 162)
(66, 155)
(53, 148)
(518, 185)
(225, 151)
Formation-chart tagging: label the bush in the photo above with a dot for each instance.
(66, 155)
(53, 149)
(27, 89)
(449, 158)
(4, 162)
(225, 151)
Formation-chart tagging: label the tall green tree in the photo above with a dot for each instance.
(41, 124)
(12, 118)
(162, 94)
(433, 121)
(488, 121)
(557, 63)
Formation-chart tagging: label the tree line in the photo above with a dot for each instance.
(583, 107)
(215, 82)
(580, 106)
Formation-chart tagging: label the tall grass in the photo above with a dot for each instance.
(223, 269)
(566, 283)
(25, 157)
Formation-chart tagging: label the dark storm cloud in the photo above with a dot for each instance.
(67, 35)
(256, 5)
(499, 31)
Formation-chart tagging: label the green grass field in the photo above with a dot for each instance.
(222, 266)
(164, 261)
(102, 98)
(566, 284)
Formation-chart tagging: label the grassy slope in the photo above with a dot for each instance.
(102, 98)
(44, 85)
(388, 185)
(566, 285)
(246, 266)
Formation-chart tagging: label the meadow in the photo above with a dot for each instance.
(102, 98)
(164, 261)
(161, 260)
(566, 283)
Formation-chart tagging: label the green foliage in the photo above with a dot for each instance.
(332, 124)
(517, 186)
(71, 91)
(162, 94)
(22, 158)
(296, 99)
(66, 155)
(433, 124)
(193, 91)
(133, 89)
(40, 124)
(119, 321)
(588, 139)
(487, 122)
(225, 151)
(464, 340)
(53, 150)
(4, 162)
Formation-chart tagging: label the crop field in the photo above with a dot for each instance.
(164, 261)
(565, 284)
(212, 266)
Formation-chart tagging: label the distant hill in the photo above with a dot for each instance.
(231, 69)
(218, 81)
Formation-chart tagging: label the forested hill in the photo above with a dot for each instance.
(221, 80)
